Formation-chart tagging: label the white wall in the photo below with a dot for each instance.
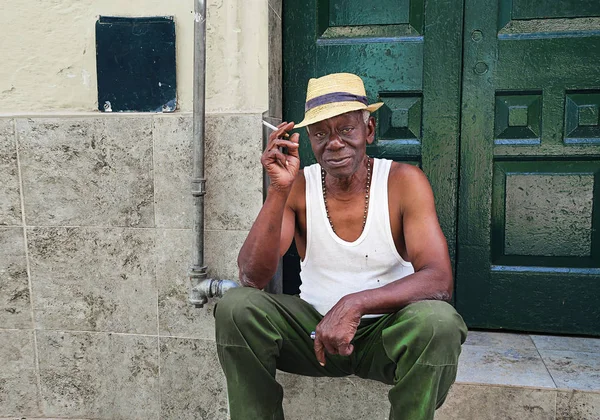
(48, 53)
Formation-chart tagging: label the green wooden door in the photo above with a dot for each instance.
(529, 200)
(528, 196)
(408, 52)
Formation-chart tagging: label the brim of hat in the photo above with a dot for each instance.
(326, 111)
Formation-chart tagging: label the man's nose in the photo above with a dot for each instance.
(335, 142)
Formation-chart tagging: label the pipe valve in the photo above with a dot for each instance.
(208, 288)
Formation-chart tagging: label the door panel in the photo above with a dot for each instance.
(529, 215)
(409, 56)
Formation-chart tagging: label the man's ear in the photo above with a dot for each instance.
(371, 130)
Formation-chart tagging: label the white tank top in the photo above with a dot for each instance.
(333, 267)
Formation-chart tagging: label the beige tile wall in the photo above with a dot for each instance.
(95, 241)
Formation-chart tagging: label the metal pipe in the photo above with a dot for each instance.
(202, 288)
(198, 270)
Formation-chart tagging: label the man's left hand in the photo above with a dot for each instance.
(337, 329)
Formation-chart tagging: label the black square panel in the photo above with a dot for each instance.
(136, 64)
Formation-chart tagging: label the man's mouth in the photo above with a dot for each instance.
(335, 162)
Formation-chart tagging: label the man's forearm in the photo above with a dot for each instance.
(259, 256)
(426, 284)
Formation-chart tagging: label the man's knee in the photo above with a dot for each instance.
(438, 320)
(429, 332)
(235, 306)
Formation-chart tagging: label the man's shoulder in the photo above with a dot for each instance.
(408, 186)
(406, 172)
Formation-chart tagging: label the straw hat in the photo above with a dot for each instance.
(332, 95)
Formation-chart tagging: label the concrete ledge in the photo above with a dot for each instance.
(501, 377)
(494, 402)
(520, 376)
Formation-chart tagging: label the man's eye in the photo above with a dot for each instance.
(346, 130)
(319, 135)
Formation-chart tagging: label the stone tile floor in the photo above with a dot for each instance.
(540, 361)
(508, 376)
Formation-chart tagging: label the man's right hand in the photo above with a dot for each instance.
(282, 168)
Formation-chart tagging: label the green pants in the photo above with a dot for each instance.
(415, 350)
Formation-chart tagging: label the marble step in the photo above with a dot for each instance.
(501, 376)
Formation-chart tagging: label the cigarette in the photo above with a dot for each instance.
(272, 127)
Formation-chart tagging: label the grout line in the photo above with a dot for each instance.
(273, 10)
(153, 166)
(132, 228)
(47, 418)
(101, 227)
(180, 337)
(63, 330)
(28, 266)
(544, 362)
(154, 207)
(155, 228)
(24, 224)
(91, 114)
(14, 330)
(159, 390)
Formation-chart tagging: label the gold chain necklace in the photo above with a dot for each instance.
(367, 190)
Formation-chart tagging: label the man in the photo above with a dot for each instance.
(375, 270)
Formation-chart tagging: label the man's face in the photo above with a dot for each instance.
(339, 143)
